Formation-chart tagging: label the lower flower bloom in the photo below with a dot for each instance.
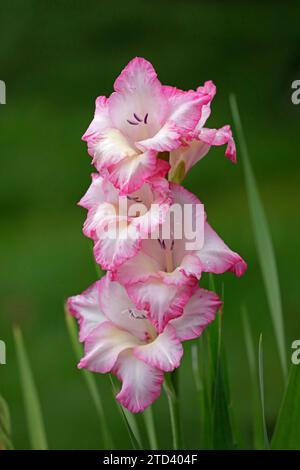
(120, 338)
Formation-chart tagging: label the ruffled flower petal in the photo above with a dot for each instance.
(161, 301)
(141, 382)
(138, 269)
(220, 136)
(198, 313)
(216, 257)
(184, 113)
(99, 124)
(111, 148)
(103, 346)
(132, 172)
(138, 107)
(86, 309)
(209, 88)
(164, 352)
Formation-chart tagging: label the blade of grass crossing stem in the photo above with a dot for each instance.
(32, 405)
(263, 240)
(237, 439)
(150, 428)
(203, 377)
(5, 426)
(223, 436)
(262, 392)
(171, 389)
(128, 419)
(258, 428)
(222, 433)
(287, 429)
(198, 351)
(132, 423)
(90, 382)
(213, 337)
(225, 432)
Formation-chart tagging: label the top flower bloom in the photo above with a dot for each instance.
(139, 120)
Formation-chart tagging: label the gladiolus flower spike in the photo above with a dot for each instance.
(149, 233)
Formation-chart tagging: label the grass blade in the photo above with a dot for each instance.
(35, 422)
(257, 421)
(5, 426)
(223, 435)
(287, 429)
(262, 393)
(222, 432)
(90, 382)
(213, 333)
(203, 389)
(150, 427)
(263, 240)
(171, 389)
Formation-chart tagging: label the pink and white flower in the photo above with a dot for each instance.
(200, 140)
(119, 338)
(117, 224)
(140, 120)
(161, 277)
(133, 321)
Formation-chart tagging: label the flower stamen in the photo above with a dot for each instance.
(135, 314)
(138, 119)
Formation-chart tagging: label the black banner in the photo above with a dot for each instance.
(132, 459)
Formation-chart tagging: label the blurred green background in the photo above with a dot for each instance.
(56, 57)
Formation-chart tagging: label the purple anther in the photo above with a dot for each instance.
(161, 243)
(137, 118)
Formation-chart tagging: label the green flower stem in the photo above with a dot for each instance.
(171, 389)
(150, 427)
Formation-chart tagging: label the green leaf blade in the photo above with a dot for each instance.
(263, 240)
(287, 430)
(223, 432)
(258, 427)
(262, 392)
(35, 422)
(150, 427)
(5, 426)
